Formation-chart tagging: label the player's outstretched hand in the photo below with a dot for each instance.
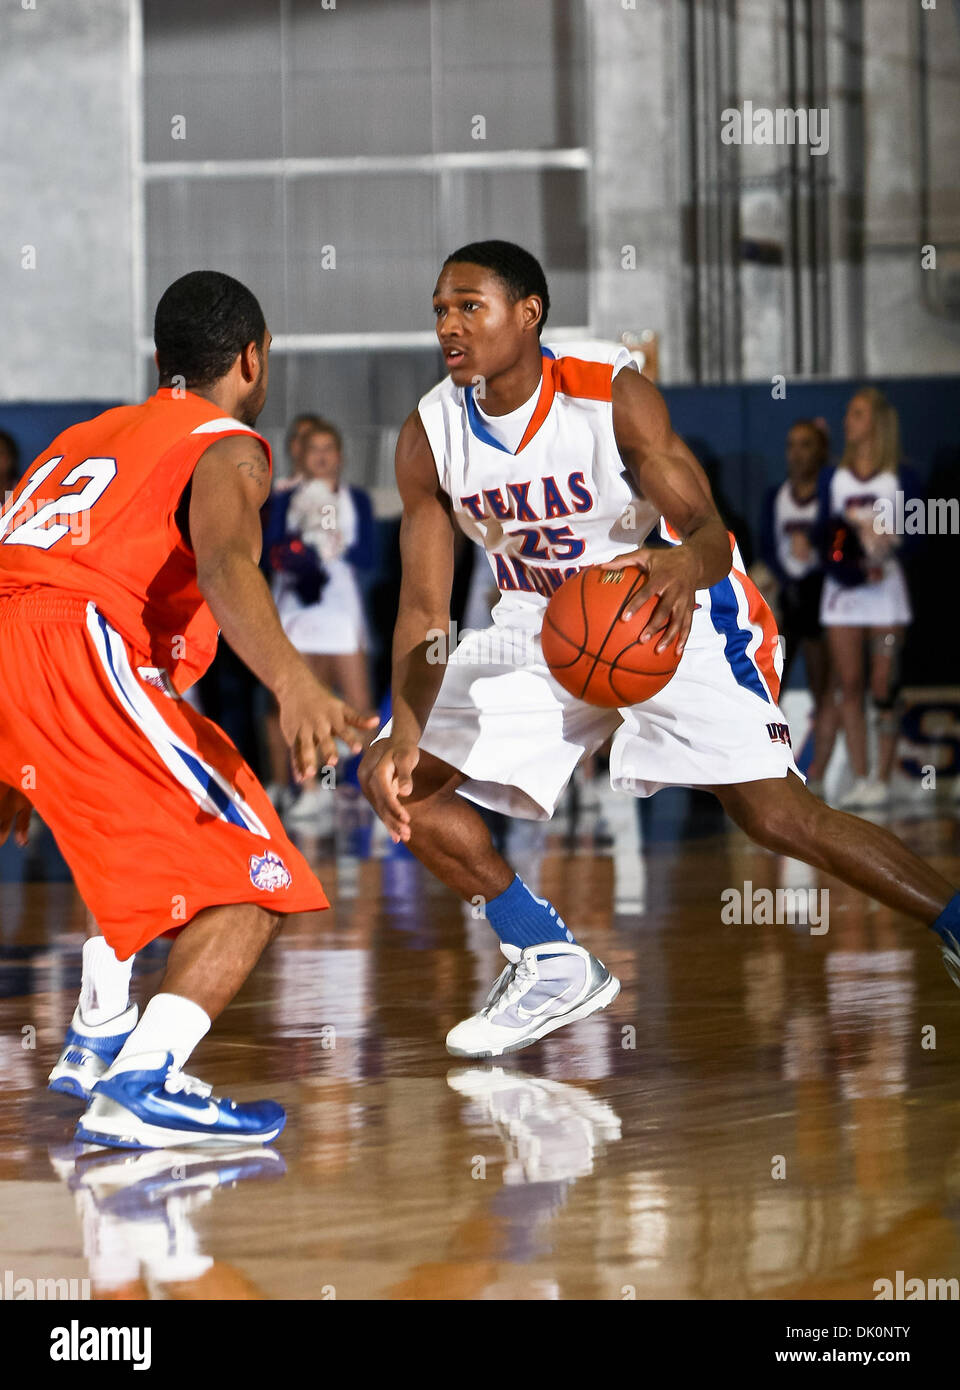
(671, 573)
(14, 812)
(312, 719)
(386, 774)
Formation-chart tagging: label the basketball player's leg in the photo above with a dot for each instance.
(450, 837)
(209, 961)
(708, 720)
(511, 747)
(102, 1020)
(780, 814)
(104, 1017)
(164, 828)
(215, 954)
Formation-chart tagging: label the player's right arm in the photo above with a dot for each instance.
(426, 552)
(229, 486)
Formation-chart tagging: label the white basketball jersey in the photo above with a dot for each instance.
(562, 500)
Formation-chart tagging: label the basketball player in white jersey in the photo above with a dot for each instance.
(553, 460)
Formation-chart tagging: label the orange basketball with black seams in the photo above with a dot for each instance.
(592, 652)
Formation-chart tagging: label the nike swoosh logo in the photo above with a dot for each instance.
(533, 1013)
(208, 1116)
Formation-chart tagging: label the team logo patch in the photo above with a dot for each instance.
(268, 872)
(159, 679)
(779, 733)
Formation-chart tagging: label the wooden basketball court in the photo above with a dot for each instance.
(764, 1112)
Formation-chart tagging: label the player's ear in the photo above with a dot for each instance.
(532, 311)
(250, 361)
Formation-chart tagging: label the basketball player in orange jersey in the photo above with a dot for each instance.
(129, 541)
(566, 457)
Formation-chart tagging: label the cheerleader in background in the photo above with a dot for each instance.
(319, 535)
(865, 606)
(790, 550)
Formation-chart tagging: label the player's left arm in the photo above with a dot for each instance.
(665, 473)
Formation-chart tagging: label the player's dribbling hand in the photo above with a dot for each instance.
(312, 719)
(386, 774)
(671, 573)
(15, 812)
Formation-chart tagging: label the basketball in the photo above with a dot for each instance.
(592, 652)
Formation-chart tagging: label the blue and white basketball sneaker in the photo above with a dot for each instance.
(541, 989)
(146, 1103)
(88, 1050)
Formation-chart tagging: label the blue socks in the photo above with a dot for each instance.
(521, 920)
(948, 921)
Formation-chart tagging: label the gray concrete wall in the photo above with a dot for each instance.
(68, 97)
(634, 184)
(903, 331)
(65, 173)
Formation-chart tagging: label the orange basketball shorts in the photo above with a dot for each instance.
(153, 808)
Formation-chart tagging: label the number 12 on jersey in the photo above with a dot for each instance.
(51, 522)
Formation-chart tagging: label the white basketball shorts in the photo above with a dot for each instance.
(502, 720)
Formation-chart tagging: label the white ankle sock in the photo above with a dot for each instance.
(170, 1023)
(105, 987)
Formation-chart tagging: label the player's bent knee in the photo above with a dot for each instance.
(776, 816)
(433, 781)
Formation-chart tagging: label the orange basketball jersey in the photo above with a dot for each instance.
(95, 517)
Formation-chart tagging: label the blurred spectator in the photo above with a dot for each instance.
(300, 426)
(865, 604)
(790, 550)
(9, 463)
(319, 533)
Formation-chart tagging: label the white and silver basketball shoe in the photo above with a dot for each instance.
(543, 987)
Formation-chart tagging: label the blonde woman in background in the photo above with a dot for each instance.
(330, 526)
(865, 606)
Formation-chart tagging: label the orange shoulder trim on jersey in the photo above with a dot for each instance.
(591, 381)
(569, 376)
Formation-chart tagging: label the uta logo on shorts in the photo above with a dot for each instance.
(268, 871)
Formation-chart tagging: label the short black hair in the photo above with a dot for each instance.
(202, 321)
(521, 273)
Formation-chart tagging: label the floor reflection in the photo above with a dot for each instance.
(763, 1113)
